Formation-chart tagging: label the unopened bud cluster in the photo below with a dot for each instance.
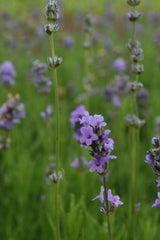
(134, 121)
(134, 86)
(52, 15)
(52, 176)
(53, 63)
(133, 3)
(88, 30)
(134, 15)
(136, 55)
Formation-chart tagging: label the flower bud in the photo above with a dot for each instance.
(134, 16)
(48, 29)
(133, 3)
(53, 63)
(156, 142)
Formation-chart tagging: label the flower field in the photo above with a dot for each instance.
(79, 120)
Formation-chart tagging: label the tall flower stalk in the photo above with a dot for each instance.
(132, 119)
(89, 131)
(52, 15)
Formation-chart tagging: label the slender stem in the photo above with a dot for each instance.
(87, 73)
(57, 138)
(134, 154)
(107, 208)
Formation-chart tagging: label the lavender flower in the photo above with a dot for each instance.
(80, 164)
(157, 202)
(153, 158)
(40, 32)
(117, 91)
(158, 126)
(114, 200)
(87, 136)
(120, 65)
(47, 115)
(43, 83)
(11, 112)
(68, 42)
(100, 196)
(7, 72)
(90, 133)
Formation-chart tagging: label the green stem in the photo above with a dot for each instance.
(107, 208)
(57, 139)
(87, 73)
(134, 155)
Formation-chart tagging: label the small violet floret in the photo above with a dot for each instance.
(114, 200)
(88, 136)
(157, 202)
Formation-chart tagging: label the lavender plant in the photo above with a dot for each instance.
(132, 119)
(89, 131)
(153, 158)
(52, 14)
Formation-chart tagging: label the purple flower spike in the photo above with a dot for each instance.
(7, 72)
(114, 199)
(88, 136)
(100, 196)
(157, 202)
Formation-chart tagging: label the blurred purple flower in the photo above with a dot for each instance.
(80, 164)
(11, 112)
(77, 114)
(43, 83)
(40, 32)
(120, 65)
(47, 115)
(7, 72)
(68, 42)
